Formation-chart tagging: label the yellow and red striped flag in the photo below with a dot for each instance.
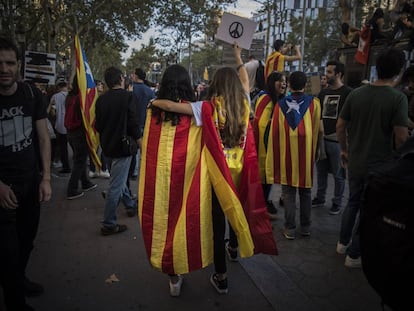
(261, 123)
(88, 96)
(292, 142)
(179, 167)
(275, 62)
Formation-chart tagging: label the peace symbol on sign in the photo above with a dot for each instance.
(236, 30)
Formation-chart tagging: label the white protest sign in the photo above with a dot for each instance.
(40, 66)
(236, 28)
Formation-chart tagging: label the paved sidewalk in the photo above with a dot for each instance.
(72, 260)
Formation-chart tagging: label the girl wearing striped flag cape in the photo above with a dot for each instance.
(184, 224)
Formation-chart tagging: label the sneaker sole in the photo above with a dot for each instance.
(334, 212)
(289, 237)
(75, 196)
(119, 229)
(220, 291)
(90, 188)
(175, 288)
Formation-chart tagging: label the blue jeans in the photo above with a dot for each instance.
(305, 207)
(332, 164)
(350, 217)
(118, 190)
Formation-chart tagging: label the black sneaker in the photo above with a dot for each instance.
(131, 212)
(113, 230)
(220, 285)
(231, 253)
(75, 195)
(335, 209)
(32, 289)
(317, 203)
(89, 187)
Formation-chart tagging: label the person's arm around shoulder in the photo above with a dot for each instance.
(297, 56)
(169, 105)
(45, 190)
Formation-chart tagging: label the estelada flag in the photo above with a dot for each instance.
(88, 95)
(180, 166)
(261, 124)
(364, 44)
(292, 142)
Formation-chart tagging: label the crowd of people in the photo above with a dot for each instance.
(244, 139)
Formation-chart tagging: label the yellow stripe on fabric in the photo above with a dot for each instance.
(180, 234)
(262, 125)
(206, 216)
(142, 170)
(231, 207)
(162, 192)
(309, 147)
(282, 146)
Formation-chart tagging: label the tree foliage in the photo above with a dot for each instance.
(322, 36)
(143, 57)
(50, 26)
(182, 21)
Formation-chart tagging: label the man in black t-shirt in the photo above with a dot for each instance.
(24, 176)
(332, 99)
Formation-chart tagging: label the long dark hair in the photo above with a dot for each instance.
(270, 85)
(226, 84)
(175, 85)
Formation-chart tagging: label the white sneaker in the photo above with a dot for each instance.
(341, 248)
(57, 164)
(352, 263)
(104, 174)
(93, 174)
(175, 288)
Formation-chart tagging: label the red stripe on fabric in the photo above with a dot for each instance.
(302, 152)
(276, 143)
(154, 133)
(193, 222)
(259, 111)
(178, 161)
(288, 162)
(213, 144)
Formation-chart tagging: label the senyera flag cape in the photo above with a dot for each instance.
(261, 124)
(88, 96)
(292, 143)
(179, 167)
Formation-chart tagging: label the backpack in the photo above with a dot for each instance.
(387, 228)
(73, 115)
(260, 76)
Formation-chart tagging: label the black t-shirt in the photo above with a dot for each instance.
(19, 157)
(332, 102)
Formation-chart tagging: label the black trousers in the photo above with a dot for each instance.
(77, 140)
(219, 232)
(18, 229)
(62, 141)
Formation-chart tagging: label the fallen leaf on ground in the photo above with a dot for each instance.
(112, 279)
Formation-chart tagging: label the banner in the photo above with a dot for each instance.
(88, 96)
(362, 53)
